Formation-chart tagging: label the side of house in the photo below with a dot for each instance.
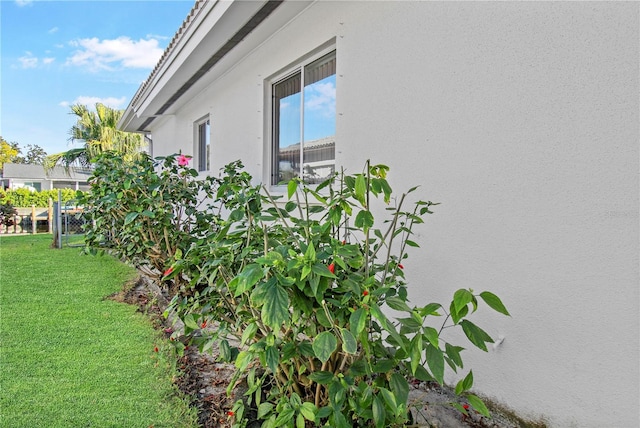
(521, 118)
(36, 178)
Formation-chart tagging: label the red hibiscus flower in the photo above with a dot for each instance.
(332, 267)
(183, 160)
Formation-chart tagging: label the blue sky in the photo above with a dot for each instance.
(58, 53)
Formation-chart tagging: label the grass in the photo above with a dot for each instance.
(70, 358)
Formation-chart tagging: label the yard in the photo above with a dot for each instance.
(71, 358)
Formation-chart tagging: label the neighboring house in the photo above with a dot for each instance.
(521, 118)
(34, 177)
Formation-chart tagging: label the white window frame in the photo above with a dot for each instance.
(202, 149)
(295, 67)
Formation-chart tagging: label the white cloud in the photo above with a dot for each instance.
(321, 97)
(53, 30)
(28, 61)
(31, 61)
(96, 54)
(22, 3)
(90, 102)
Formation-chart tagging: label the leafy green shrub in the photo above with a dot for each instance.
(23, 197)
(7, 212)
(303, 286)
(146, 211)
(301, 290)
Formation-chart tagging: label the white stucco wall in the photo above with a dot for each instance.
(522, 120)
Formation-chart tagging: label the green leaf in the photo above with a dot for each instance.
(225, 350)
(190, 322)
(322, 270)
(454, 353)
(409, 325)
(389, 398)
(475, 334)
(384, 322)
(411, 243)
(358, 321)
(400, 388)
(478, 404)
(322, 318)
(242, 360)
(248, 333)
(251, 274)
(129, 218)
(324, 345)
(360, 189)
(272, 357)
(459, 407)
(324, 412)
(379, 413)
(465, 384)
(398, 304)
(435, 360)
(423, 375)
(432, 335)
(306, 270)
(322, 377)
(285, 416)
(308, 411)
(339, 421)
(264, 409)
(364, 220)
(430, 309)
(494, 302)
(291, 187)
(310, 253)
(461, 298)
(415, 352)
(275, 311)
(384, 366)
(349, 343)
(387, 191)
(455, 315)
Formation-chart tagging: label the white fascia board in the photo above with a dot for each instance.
(212, 26)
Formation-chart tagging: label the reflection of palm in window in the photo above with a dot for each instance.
(304, 111)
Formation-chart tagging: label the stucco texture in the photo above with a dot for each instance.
(522, 119)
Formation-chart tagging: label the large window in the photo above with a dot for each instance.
(202, 144)
(304, 122)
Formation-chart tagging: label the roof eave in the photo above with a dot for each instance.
(211, 27)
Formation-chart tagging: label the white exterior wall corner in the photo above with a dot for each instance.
(521, 118)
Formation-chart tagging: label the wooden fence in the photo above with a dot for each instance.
(31, 220)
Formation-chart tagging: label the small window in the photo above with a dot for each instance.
(33, 185)
(202, 144)
(304, 122)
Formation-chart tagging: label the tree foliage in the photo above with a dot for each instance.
(8, 152)
(35, 155)
(99, 133)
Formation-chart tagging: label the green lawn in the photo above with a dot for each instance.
(69, 358)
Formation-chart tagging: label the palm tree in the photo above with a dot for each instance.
(98, 129)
